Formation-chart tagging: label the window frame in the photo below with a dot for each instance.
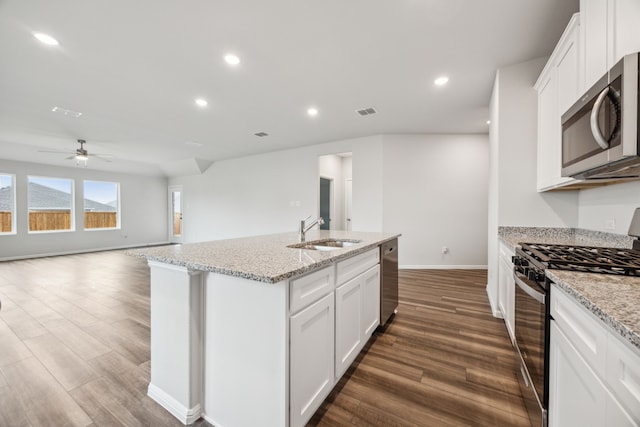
(14, 216)
(72, 214)
(118, 205)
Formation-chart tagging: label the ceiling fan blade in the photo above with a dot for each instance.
(104, 158)
(54, 151)
(70, 157)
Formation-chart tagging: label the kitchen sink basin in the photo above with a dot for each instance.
(325, 244)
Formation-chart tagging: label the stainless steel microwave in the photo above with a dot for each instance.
(600, 131)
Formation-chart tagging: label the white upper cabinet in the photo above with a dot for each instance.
(558, 88)
(610, 30)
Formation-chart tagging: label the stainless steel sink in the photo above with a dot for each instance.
(325, 244)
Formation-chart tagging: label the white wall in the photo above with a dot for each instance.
(435, 194)
(143, 201)
(272, 192)
(331, 167)
(513, 198)
(617, 202)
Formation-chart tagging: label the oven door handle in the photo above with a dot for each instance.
(538, 296)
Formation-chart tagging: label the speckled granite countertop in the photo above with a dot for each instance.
(262, 258)
(613, 299)
(562, 236)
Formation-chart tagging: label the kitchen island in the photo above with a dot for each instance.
(251, 331)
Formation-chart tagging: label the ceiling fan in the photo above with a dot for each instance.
(81, 155)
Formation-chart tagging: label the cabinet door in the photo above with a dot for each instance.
(370, 302)
(624, 29)
(568, 70)
(576, 396)
(548, 133)
(348, 323)
(506, 285)
(311, 359)
(593, 18)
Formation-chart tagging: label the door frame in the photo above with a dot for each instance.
(172, 189)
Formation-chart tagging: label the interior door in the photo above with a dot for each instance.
(175, 214)
(325, 203)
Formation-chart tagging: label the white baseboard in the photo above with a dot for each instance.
(495, 310)
(82, 251)
(442, 267)
(185, 415)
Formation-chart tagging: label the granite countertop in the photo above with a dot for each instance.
(513, 236)
(262, 258)
(613, 299)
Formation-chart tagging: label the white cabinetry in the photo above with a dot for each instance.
(334, 312)
(558, 88)
(311, 353)
(506, 288)
(357, 306)
(594, 377)
(357, 316)
(609, 31)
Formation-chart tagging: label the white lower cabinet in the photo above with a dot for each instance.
(577, 397)
(311, 358)
(348, 323)
(371, 301)
(327, 335)
(506, 288)
(594, 377)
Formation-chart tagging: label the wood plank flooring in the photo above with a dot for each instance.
(74, 351)
(443, 361)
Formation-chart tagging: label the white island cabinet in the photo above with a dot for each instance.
(259, 336)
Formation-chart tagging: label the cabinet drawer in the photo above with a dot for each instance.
(623, 375)
(582, 329)
(311, 287)
(351, 267)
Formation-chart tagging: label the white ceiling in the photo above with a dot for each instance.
(134, 68)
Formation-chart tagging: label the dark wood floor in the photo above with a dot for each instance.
(74, 351)
(443, 361)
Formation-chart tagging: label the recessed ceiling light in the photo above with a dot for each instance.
(46, 39)
(312, 112)
(201, 102)
(440, 81)
(488, 122)
(232, 59)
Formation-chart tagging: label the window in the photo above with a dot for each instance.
(50, 204)
(101, 205)
(7, 204)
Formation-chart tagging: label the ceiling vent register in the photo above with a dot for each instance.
(366, 111)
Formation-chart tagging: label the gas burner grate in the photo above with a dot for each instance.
(591, 259)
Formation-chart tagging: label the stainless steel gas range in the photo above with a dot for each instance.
(532, 318)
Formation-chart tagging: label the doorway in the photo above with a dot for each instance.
(326, 195)
(176, 228)
(335, 191)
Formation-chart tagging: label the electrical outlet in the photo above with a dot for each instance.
(445, 250)
(610, 224)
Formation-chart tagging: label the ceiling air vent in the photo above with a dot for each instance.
(366, 111)
(261, 134)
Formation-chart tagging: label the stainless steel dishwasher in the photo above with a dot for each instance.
(389, 282)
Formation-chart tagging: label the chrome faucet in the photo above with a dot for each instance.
(304, 227)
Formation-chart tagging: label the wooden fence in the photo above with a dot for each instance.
(61, 220)
(5, 222)
(100, 220)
